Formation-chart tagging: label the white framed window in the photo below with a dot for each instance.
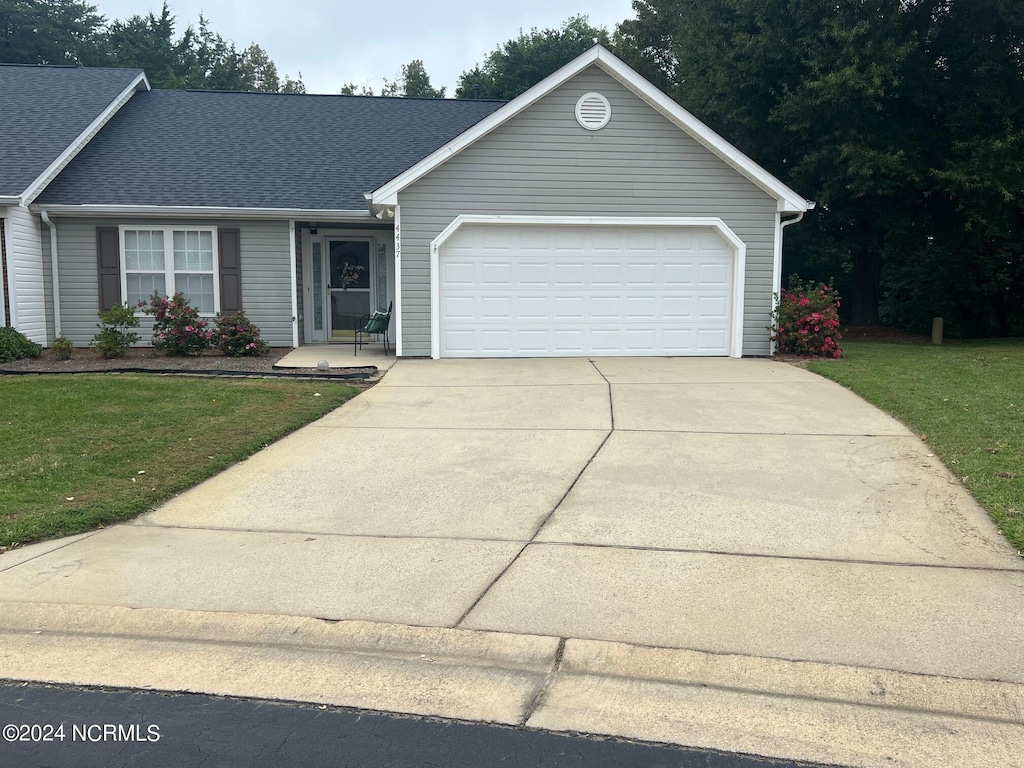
(168, 260)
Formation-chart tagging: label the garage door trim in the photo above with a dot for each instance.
(739, 250)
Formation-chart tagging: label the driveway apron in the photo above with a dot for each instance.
(727, 506)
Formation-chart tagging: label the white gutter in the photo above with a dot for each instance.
(209, 212)
(7, 200)
(53, 273)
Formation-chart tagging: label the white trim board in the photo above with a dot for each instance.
(321, 216)
(788, 200)
(69, 153)
(738, 246)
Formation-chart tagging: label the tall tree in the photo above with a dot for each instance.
(49, 32)
(518, 64)
(814, 91)
(415, 82)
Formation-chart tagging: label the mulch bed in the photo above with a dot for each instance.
(145, 359)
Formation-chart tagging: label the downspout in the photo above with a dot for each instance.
(777, 268)
(54, 278)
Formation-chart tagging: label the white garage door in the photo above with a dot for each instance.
(562, 291)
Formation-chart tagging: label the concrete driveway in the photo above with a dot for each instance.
(733, 509)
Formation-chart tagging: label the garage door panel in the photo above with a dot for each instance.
(709, 340)
(499, 273)
(496, 308)
(605, 308)
(459, 308)
(713, 308)
(455, 272)
(547, 291)
(533, 308)
(533, 273)
(604, 275)
(678, 275)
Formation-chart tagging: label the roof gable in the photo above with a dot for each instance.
(788, 200)
(48, 113)
(258, 150)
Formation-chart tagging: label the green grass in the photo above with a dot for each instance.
(965, 399)
(78, 452)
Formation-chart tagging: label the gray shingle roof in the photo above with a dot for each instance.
(258, 150)
(43, 109)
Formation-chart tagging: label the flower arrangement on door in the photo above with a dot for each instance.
(350, 274)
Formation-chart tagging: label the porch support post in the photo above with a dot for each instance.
(294, 261)
(398, 281)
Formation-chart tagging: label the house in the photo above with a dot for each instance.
(592, 215)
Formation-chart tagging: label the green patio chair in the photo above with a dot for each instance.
(376, 324)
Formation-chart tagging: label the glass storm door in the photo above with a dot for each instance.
(348, 286)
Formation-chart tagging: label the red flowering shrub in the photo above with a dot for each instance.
(238, 336)
(177, 327)
(806, 320)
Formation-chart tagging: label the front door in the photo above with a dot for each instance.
(348, 286)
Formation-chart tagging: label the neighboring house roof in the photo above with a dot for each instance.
(257, 150)
(788, 200)
(48, 113)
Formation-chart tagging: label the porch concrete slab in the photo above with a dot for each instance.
(823, 713)
(337, 356)
(814, 407)
(876, 499)
(927, 620)
(526, 372)
(488, 407)
(421, 670)
(686, 370)
(407, 581)
(488, 484)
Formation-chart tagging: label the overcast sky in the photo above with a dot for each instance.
(333, 42)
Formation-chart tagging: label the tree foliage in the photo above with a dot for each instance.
(72, 32)
(901, 118)
(49, 32)
(413, 82)
(518, 64)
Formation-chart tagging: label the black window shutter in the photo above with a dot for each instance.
(108, 254)
(230, 249)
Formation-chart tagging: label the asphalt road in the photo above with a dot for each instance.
(109, 729)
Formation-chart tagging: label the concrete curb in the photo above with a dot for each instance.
(788, 709)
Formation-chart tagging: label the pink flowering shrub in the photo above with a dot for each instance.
(177, 327)
(238, 336)
(806, 320)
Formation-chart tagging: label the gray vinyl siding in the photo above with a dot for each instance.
(542, 162)
(25, 270)
(47, 284)
(265, 268)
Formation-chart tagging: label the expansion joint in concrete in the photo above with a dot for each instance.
(542, 691)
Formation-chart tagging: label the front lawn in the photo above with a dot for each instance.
(965, 399)
(77, 452)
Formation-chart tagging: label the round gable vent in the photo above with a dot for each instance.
(593, 111)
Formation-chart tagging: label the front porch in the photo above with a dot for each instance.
(338, 356)
(345, 271)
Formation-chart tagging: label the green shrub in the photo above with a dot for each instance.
(16, 346)
(806, 320)
(115, 335)
(238, 336)
(62, 348)
(177, 327)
